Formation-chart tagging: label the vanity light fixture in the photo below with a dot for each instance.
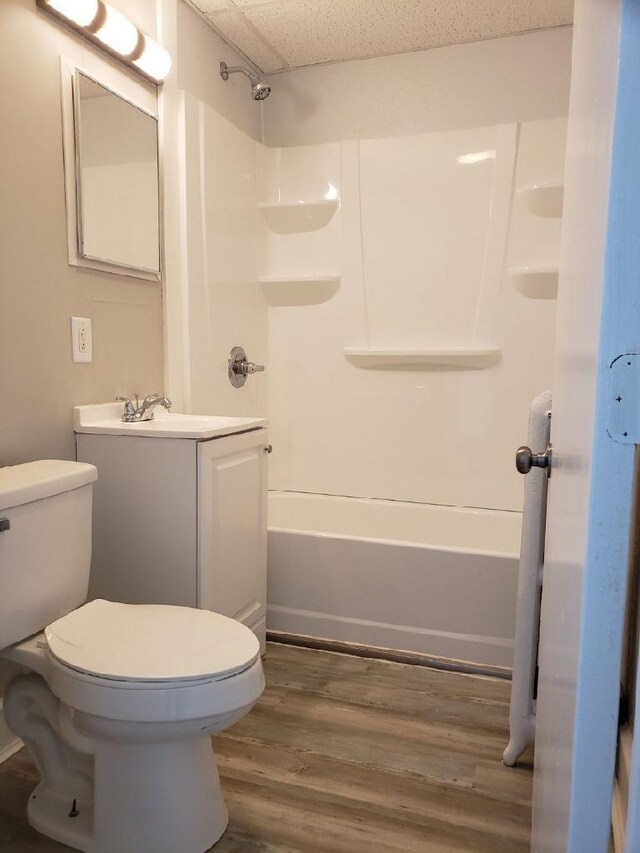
(104, 25)
(154, 61)
(82, 13)
(117, 32)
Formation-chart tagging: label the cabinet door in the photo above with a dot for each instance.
(144, 519)
(232, 527)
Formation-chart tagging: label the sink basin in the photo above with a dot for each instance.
(104, 418)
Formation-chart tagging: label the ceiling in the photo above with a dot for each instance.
(280, 34)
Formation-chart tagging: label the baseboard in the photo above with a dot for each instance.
(379, 653)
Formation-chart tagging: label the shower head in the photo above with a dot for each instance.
(260, 89)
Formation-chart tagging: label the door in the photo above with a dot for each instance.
(232, 528)
(591, 486)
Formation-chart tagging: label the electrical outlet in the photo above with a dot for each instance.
(81, 343)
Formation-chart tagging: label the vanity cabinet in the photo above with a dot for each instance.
(181, 521)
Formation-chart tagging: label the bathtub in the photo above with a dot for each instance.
(434, 580)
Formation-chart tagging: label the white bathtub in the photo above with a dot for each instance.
(435, 580)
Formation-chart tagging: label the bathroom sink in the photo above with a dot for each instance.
(105, 418)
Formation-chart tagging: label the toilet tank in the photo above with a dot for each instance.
(45, 544)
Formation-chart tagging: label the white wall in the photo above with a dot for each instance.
(40, 291)
(39, 287)
(521, 78)
(197, 53)
(423, 244)
(224, 248)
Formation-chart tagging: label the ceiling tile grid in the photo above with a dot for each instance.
(280, 34)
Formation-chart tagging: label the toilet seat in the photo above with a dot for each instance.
(144, 643)
(91, 663)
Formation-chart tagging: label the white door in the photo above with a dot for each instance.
(232, 528)
(590, 491)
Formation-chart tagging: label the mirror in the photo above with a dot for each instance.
(116, 178)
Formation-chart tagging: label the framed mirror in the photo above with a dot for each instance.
(116, 181)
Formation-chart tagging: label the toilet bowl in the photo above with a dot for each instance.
(116, 702)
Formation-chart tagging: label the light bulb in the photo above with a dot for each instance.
(81, 12)
(117, 32)
(154, 60)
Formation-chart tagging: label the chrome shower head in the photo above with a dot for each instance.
(260, 89)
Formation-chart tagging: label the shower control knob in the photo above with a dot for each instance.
(526, 460)
(239, 367)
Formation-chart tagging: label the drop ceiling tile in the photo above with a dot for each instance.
(277, 34)
(207, 6)
(306, 32)
(235, 29)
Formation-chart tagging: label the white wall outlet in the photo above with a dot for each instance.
(81, 341)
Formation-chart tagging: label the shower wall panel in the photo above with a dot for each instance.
(427, 229)
(434, 210)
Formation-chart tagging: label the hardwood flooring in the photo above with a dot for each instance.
(350, 755)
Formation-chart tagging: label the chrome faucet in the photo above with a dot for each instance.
(135, 411)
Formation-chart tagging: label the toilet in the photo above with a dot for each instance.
(116, 702)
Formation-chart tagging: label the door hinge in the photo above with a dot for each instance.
(624, 399)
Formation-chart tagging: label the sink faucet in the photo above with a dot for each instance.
(135, 411)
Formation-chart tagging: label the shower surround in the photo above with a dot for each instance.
(381, 281)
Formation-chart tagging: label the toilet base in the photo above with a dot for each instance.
(150, 798)
(52, 815)
(157, 797)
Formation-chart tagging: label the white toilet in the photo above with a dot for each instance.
(116, 702)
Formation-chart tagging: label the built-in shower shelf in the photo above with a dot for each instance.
(469, 358)
(299, 289)
(543, 199)
(292, 217)
(535, 282)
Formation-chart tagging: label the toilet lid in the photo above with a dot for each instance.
(151, 642)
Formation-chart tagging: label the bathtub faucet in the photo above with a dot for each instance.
(135, 411)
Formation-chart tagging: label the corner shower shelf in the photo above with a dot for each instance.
(285, 217)
(536, 282)
(470, 358)
(543, 199)
(299, 289)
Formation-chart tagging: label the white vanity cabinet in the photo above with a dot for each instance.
(180, 521)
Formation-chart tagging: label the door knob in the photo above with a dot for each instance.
(526, 460)
(240, 367)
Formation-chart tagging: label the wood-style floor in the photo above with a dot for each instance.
(349, 755)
